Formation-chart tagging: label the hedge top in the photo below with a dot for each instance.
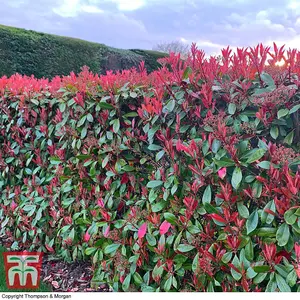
(29, 52)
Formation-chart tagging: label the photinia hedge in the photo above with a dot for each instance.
(184, 179)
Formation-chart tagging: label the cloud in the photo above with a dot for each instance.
(129, 5)
(72, 8)
(212, 24)
(294, 6)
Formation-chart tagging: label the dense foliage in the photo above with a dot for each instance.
(44, 55)
(184, 179)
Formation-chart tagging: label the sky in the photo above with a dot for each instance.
(129, 24)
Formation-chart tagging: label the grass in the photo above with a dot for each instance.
(3, 288)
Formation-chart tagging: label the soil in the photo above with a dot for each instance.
(69, 277)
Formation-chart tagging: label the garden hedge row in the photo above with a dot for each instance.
(44, 55)
(184, 179)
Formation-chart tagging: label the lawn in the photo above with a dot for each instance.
(3, 288)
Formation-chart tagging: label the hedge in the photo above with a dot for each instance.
(184, 179)
(44, 55)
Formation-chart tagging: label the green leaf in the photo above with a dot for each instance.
(168, 284)
(236, 177)
(150, 239)
(188, 71)
(210, 209)
(193, 229)
(28, 171)
(170, 218)
(90, 251)
(231, 108)
(159, 155)
(171, 105)
(291, 279)
(83, 133)
(290, 217)
(54, 160)
(260, 278)
(266, 217)
(216, 144)
(282, 112)
(206, 198)
(159, 206)
(116, 125)
(105, 161)
(83, 156)
(154, 147)
(261, 269)
(174, 189)
(226, 257)
(294, 109)
(264, 164)
(224, 162)
(126, 282)
(157, 271)
(90, 118)
(266, 232)
(252, 222)
(267, 78)
(81, 121)
(243, 210)
(249, 251)
(9, 160)
(195, 262)
(34, 101)
(111, 248)
(105, 105)
(282, 285)
(177, 241)
(137, 278)
(274, 132)
(236, 275)
(128, 168)
(259, 153)
(271, 286)
(154, 183)
(297, 212)
(283, 234)
(185, 248)
(250, 273)
(289, 138)
(130, 115)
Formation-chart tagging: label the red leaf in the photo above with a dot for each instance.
(193, 169)
(50, 249)
(234, 268)
(164, 227)
(271, 212)
(142, 231)
(218, 218)
(297, 269)
(86, 237)
(55, 284)
(222, 173)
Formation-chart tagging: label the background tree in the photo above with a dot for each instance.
(173, 46)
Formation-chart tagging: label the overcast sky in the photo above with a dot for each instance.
(212, 24)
